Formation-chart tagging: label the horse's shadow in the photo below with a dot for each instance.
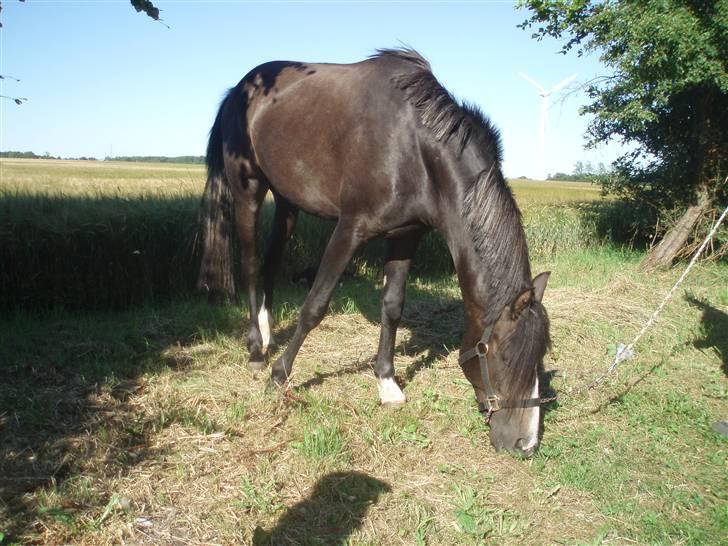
(335, 508)
(715, 327)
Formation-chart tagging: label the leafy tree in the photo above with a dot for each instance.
(667, 96)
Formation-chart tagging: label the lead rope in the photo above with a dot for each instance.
(626, 352)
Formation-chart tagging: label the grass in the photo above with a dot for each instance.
(145, 425)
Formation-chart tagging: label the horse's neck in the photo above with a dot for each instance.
(487, 282)
(472, 277)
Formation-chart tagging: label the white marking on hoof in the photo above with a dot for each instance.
(389, 392)
(264, 323)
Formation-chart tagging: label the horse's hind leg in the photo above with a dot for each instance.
(249, 193)
(284, 221)
(400, 252)
(341, 247)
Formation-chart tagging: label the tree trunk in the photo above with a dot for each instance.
(677, 236)
(664, 254)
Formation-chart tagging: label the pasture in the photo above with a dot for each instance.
(128, 413)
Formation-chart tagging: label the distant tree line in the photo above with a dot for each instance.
(194, 159)
(583, 172)
(197, 159)
(31, 155)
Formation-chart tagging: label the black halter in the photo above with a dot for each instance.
(494, 402)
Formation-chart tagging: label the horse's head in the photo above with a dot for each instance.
(510, 355)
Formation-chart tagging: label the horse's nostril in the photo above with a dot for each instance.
(519, 443)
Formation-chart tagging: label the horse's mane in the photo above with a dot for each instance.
(447, 118)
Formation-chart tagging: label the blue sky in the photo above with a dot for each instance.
(97, 74)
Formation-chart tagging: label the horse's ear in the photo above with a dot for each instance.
(539, 284)
(520, 303)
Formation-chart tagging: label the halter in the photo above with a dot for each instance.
(494, 402)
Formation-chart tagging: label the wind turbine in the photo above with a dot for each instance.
(544, 115)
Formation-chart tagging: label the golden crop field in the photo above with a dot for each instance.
(42, 176)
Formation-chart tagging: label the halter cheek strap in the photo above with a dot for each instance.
(493, 402)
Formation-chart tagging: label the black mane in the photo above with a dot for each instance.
(440, 111)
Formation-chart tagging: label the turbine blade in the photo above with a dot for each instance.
(563, 84)
(532, 82)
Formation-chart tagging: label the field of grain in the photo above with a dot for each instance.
(137, 421)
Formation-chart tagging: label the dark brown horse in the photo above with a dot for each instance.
(384, 149)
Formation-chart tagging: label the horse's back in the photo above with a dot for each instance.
(333, 138)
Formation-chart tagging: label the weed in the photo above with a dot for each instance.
(322, 443)
(404, 430)
(261, 498)
(479, 521)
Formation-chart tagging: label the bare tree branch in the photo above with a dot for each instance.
(16, 100)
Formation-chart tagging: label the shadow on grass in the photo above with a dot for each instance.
(620, 396)
(67, 414)
(335, 509)
(715, 328)
(114, 252)
(435, 323)
(619, 223)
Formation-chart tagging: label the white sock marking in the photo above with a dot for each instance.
(264, 321)
(389, 391)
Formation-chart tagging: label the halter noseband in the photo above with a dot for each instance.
(494, 402)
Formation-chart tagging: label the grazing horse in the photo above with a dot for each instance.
(381, 147)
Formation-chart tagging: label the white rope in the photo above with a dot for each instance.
(627, 352)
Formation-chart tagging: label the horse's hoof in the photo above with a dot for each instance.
(257, 365)
(394, 404)
(389, 392)
(273, 386)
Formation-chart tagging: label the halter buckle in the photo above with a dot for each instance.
(481, 348)
(493, 403)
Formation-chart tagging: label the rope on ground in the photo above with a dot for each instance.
(625, 352)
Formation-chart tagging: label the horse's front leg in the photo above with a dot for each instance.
(341, 247)
(399, 257)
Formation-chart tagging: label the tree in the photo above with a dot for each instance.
(667, 94)
(147, 7)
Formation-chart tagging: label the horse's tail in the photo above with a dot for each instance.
(217, 217)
